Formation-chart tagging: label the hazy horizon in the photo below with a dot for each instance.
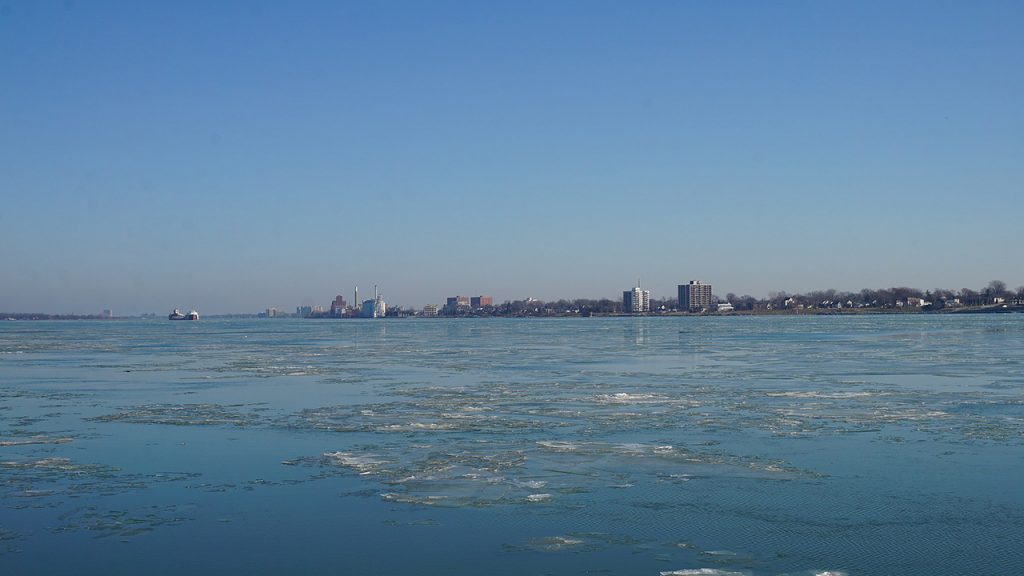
(235, 157)
(365, 294)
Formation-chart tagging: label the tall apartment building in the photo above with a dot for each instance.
(481, 301)
(694, 296)
(636, 301)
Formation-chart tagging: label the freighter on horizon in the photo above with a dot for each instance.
(177, 315)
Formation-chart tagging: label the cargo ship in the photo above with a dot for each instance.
(177, 315)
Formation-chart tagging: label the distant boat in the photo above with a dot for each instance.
(177, 315)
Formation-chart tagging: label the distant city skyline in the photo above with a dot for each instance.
(234, 158)
(694, 296)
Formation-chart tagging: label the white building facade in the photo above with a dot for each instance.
(636, 301)
(375, 308)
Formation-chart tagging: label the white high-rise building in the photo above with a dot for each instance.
(636, 301)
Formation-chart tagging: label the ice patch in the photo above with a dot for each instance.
(406, 499)
(825, 395)
(363, 463)
(704, 572)
(415, 426)
(558, 446)
(183, 415)
(627, 398)
(554, 543)
(34, 440)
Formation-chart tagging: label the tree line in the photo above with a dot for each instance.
(937, 298)
(867, 298)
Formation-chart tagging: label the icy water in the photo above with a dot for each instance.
(649, 446)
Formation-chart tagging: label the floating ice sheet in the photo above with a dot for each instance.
(184, 415)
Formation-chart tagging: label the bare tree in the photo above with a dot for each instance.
(996, 288)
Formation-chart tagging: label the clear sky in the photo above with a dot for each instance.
(231, 156)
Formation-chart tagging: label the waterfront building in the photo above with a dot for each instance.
(430, 310)
(481, 301)
(455, 303)
(338, 306)
(375, 308)
(636, 301)
(695, 296)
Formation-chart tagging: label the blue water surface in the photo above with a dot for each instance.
(890, 444)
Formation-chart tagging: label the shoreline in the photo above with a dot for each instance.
(989, 309)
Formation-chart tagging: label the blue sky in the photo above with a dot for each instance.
(237, 155)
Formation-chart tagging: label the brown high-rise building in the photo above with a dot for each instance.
(338, 306)
(481, 301)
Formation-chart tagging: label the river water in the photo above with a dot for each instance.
(889, 444)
